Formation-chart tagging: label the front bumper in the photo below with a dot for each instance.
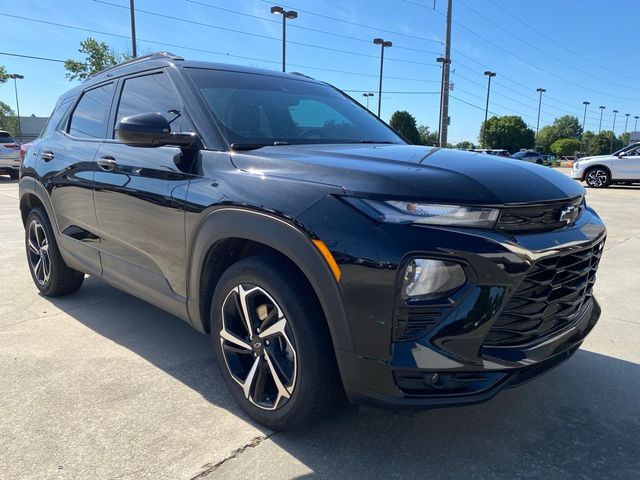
(577, 173)
(453, 363)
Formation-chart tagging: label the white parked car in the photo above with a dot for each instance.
(601, 171)
(9, 155)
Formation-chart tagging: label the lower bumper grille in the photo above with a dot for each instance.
(549, 299)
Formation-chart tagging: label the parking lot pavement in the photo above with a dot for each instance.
(101, 385)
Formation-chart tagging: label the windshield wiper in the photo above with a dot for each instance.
(379, 141)
(255, 146)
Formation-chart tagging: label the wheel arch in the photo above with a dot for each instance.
(33, 194)
(231, 233)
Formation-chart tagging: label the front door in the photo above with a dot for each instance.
(139, 197)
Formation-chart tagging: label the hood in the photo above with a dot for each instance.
(598, 158)
(413, 172)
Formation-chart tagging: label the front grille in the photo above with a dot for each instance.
(416, 321)
(540, 218)
(549, 299)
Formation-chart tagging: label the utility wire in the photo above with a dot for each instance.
(555, 42)
(32, 57)
(547, 54)
(258, 35)
(302, 27)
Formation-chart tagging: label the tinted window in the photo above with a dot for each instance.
(90, 116)
(262, 109)
(518, 155)
(152, 93)
(56, 117)
(6, 138)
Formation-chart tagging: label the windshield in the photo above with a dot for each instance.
(625, 149)
(255, 110)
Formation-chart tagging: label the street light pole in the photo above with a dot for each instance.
(613, 133)
(132, 10)
(383, 44)
(584, 121)
(601, 107)
(626, 122)
(489, 74)
(286, 14)
(367, 95)
(635, 128)
(540, 91)
(17, 77)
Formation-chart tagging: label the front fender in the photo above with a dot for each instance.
(281, 235)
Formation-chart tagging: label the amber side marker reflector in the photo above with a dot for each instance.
(329, 258)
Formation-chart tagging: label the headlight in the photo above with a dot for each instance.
(424, 277)
(394, 211)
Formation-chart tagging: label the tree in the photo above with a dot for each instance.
(508, 132)
(405, 124)
(625, 138)
(8, 119)
(427, 137)
(98, 57)
(565, 147)
(4, 76)
(465, 145)
(567, 126)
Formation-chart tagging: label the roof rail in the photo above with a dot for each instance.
(301, 75)
(151, 56)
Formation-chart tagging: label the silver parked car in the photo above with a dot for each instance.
(9, 155)
(601, 171)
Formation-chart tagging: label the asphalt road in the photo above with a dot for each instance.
(100, 385)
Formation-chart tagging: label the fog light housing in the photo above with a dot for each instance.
(426, 278)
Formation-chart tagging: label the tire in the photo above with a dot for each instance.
(48, 270)
(289, 340)
(597, 177)
(14, 174)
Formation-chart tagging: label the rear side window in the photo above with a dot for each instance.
(152, 93)
(90, 116)
(56, 117)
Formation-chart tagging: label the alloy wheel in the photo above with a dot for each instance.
(39, 259)
(597, 178)
(258, 346)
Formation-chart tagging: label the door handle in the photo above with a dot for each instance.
(107, 163)
(47, 155)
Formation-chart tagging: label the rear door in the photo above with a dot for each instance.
(65, 164)
(139, 196)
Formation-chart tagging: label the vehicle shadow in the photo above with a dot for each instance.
(580, 421)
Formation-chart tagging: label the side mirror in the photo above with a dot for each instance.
(151, 130)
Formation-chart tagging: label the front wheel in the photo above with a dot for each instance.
(272, 343)
(597, 178)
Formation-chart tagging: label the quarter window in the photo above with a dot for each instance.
(90, 116)
(152, 93)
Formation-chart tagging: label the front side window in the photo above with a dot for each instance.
(260, 110)
(151, 93)
(6, 138)
(90, 116)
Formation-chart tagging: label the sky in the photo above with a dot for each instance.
(578, 50)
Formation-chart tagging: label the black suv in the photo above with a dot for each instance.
(319, 250)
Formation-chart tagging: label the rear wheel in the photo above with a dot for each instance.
(597, 177)
(272, 344)
(48, 270)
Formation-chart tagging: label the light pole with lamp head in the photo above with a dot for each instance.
(613, 132)
(540, 91)
(286, 14)
(626, 122)
(17, 77)
(489, 74)
(584, 120)
(635, 128)
(367, 95)
(601, 107)
(383, 44)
